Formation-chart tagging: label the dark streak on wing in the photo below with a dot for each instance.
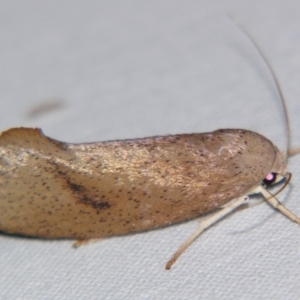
(95, 203)
(79, 191)
(76, 188)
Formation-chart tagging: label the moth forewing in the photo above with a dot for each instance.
(102, 189)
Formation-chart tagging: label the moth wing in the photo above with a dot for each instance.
(56, 190)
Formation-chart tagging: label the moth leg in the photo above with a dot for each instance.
(228, 204)
(80, 243)
(232, 205)
(292, 152)
(249, 205)
(277, 204)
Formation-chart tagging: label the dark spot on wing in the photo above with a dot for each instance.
(95, 203)
(75, 187)
(81, 193)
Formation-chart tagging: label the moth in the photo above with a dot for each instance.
(51, 189)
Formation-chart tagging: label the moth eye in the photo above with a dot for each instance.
(270, 178)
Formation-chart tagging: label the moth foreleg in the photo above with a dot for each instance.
(277, 204)
(210, 220)
(292, 152)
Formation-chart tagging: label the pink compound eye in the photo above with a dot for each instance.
(270, 178)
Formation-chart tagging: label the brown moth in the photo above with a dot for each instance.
(51, 189)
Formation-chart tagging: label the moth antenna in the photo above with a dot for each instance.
(278, 85)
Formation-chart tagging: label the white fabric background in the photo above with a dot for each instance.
(126, 69)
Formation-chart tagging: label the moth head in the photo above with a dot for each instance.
(278, 171)
(272, 178)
